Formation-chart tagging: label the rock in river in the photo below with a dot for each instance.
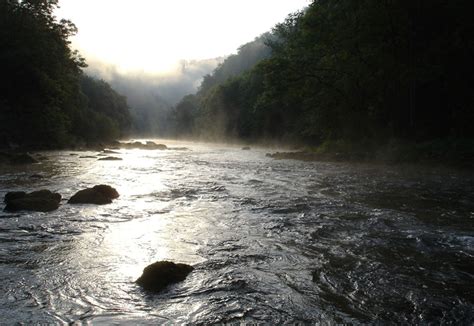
(110, 158)
(140, 145)
(99, 195)
(39, 201)
(160, 274)
(108, 151)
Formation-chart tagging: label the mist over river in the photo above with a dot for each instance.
(276, 241)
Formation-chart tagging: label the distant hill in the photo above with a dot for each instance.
(194, 115)
(152, 96)
(247, 56)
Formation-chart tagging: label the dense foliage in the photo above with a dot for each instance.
(45, 100)
(350, 70)
(192, 117)
(106, 115)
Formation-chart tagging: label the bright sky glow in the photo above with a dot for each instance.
(153, 35)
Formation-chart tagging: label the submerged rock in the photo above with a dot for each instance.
(99, 195)
(110, 158)
(108, 151)
(246, 148)
(39, 201)
(160, 274)
(178, 148)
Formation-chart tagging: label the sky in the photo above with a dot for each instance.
(153, 36)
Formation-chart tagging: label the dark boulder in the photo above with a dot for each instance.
(108, 151)
(157, 146)
(39, 201)
(107, 191)
(149, 145)
(12, 195)
(110, 158)
(160, 274)
(153, 145)
(99, 195)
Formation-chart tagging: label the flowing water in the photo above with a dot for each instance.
(271, 241)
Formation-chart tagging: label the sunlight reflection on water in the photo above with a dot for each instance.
(135, 243)
(271, 241)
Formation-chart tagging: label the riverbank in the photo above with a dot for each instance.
(458, 153)
(450, 152)
(21, 155)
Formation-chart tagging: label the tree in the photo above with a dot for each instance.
(352, 70)
(41, 102)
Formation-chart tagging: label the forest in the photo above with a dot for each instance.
(346, 74)
(46, 100)
(339, 75)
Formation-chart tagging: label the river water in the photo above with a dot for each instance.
(273, 241)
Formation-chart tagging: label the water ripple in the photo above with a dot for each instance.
(272, 242)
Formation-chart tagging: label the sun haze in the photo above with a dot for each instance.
(153, 36)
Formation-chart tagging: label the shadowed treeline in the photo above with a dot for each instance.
(45, 99)
(344, 74)
(194, 117)
(368, 72)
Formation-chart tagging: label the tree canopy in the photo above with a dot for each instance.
(42, 100)
(351, 70)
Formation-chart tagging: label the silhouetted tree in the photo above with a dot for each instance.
(40, 91)
(353, 70)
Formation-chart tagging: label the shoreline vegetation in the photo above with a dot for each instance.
(348, 80)
(341, 89)
(456, 153)
(46, 98)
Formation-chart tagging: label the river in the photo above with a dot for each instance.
(272, 241)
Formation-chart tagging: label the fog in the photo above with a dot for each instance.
(139, 48)
(151, 95)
